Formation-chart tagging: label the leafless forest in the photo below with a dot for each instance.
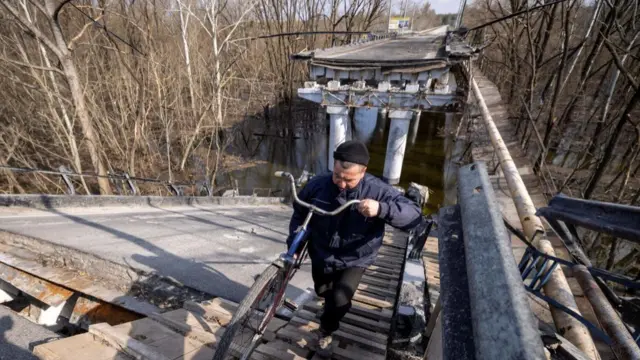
(160, 88)
(154, 88)
(570, 73)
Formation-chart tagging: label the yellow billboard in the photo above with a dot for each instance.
(399, 23)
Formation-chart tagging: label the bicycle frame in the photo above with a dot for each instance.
(288, 261)
(289, 257)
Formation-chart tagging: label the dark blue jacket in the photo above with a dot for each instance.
(350, 239)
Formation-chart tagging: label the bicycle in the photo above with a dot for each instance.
(267, 293)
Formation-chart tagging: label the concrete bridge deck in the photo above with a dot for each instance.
(215, 249)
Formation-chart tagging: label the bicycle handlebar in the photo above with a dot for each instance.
(313, 208)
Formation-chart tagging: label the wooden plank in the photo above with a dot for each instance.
(203, 353)
(194, 320)
(382, 276)
(371, 300)
(354, 353)
(144, 330)
(371, 312)
(375, 296)
(387, 265)
(377, 290)
(198, 334)
(81, 346)
(131, 346)
(176, 346)
(392, 249)
(354, 319)
(390, 259)
(395, 246)
(309, 317)
(295, 337)
(206, 353)
(392, 252)
(377, 282)
(218, 310)
(304, 326)
(221, 311)
(279, 349)
(384, 270)
(363, 309)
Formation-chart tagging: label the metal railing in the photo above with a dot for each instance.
(484, 307)
(564, 214)
(125, 184)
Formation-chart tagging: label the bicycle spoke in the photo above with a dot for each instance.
(254, 324)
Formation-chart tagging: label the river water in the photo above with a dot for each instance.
(424, 160)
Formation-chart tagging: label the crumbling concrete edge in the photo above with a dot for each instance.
(116, 276)
(56, 255)
(66, 201)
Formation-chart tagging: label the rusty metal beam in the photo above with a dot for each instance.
(87, 312)
(45, 291)
(623, 344)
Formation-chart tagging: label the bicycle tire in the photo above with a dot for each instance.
(256, 292)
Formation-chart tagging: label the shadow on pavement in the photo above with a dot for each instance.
(186, 271)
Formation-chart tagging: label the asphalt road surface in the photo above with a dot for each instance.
(215, 249)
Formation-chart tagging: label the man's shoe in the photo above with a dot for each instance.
(323, 343)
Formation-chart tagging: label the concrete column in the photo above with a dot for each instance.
(366, 120)
(396, 145)
(414, 129)
(338, 129)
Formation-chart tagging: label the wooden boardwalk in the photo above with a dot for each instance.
(192, 332)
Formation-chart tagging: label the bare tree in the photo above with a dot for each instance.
(57, 45)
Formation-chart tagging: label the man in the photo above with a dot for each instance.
(341, 247)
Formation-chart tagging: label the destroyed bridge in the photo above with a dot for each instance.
(500, 276)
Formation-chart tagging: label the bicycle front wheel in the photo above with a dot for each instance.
(247, 325)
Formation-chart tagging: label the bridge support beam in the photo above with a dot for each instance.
(557, 287)
(396, 145)
(338, 129)
(365, 120)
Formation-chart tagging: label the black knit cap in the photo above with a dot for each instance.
(353, 151)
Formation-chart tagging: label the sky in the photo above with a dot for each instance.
(440, 6)
(444, 6)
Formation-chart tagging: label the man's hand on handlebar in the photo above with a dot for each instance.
(369, 208)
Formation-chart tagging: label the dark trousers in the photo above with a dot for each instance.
(337, 289)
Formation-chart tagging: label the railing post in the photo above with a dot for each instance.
(174, 189)
(130, 182)
(206, 186)
(116, 181)
(63, 172)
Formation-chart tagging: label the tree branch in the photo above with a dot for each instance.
(619, 64)
(45, 68)
(31, 27)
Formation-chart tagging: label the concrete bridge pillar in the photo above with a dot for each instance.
(383, 123)
(338, 129)
(365, 120)
(396, 145)
(414, 128)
